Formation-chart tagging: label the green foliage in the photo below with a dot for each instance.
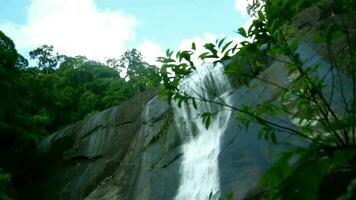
(309, 174)
(59, 90)
(140, 74)
(45, 58)
(5, 180)
(175, 68)
(350, 193)
(306, 99)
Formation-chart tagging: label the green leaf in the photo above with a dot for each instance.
(226, 46)
(294, 44)
(230, 196)
(180, 101)
(242, 32)
(165, 60)
(211, 48)
(194, 46)
(320, 37)
(164, 94)
(206, 119)
(184, 55)
(334, 33)
(221, 42)
(349, 194)
(244, 119)
(169, 53)
(210, 195)
(194, 104)
(261, 15)
(207, 122)
(204, 55)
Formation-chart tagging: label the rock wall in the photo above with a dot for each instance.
(81, 156)
(129, 151)
(243, 158)
(150, 167)
(133, 151)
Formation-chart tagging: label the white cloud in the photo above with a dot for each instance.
(150, 51)
(241, 6)
(73, 27)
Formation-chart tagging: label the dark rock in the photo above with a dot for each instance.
(88, 153)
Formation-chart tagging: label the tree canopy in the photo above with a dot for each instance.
(57, 91)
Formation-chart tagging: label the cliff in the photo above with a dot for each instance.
(134, 151)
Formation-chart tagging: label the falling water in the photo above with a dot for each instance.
(199, 168)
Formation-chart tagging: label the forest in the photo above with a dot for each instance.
(56, 91)
(51, 91)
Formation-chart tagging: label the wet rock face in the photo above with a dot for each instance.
(83, 155)
(157, 154)
(243, 158)
(126, 152)
(151, 166)
(133, 151)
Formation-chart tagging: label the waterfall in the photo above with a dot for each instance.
(199, 168)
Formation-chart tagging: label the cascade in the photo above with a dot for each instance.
(199, 169)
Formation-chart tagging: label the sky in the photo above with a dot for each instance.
(100, 29)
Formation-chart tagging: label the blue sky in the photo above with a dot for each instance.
(105, 28)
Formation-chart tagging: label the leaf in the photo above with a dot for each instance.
(165, 94)
(194, 104)
(169, 53)
(230, 196)
(184, 55)
(165, 60)
(221, 42)
(211, 48)
(210, 195)
(180, 103)
(341, 124)
(226, 46)
(244, 119)
(204, 55)
(320, 37)
(193, 46)
(294, 43)
(261, 15)
(206, 119)
(245, 43)
(334, 33)
(350, 191)
(207, 122)
(242, 32)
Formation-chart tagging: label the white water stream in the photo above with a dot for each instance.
(199, 168)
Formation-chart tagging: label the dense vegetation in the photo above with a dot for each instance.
(319, 99)
(58, 90)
